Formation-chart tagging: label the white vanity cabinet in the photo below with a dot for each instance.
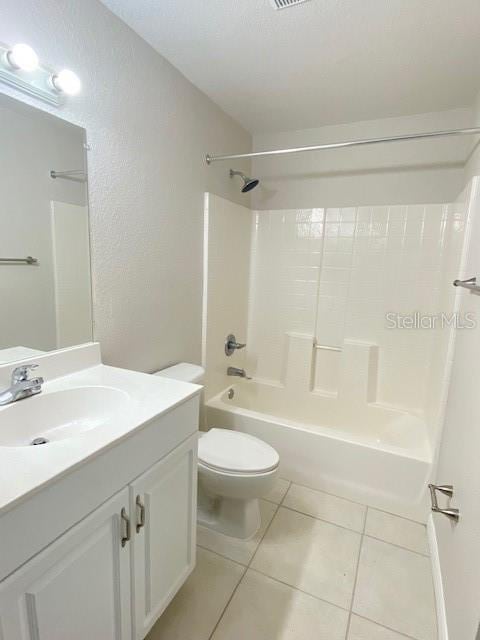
(77, 588)
(164, 501)
(112, 574)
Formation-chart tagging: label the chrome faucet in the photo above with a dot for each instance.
(235, 371)
(231, 344)
(22, 386)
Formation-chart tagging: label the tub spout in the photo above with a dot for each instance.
(241, 373)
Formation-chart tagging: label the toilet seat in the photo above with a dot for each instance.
(235, 452)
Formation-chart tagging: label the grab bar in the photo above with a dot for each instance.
(470, 283)
(27, 260)
(446, 489)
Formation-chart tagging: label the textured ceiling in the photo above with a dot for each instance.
(320, 62)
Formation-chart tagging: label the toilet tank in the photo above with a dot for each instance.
(184, 371)
(187, 372)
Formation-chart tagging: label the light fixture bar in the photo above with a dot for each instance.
(20, 69)
(34, 83)
(347, 143)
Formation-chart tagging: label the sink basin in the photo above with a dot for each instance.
(50, 417)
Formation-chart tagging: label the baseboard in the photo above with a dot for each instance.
(437, 580)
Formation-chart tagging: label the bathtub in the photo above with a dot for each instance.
(371, 453)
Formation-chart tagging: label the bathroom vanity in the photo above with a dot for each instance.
(97, 522)
(97, 526)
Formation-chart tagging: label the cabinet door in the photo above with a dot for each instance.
(77, 588)
(164, 500)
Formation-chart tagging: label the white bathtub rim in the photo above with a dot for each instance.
(361, 490)
(329, 432)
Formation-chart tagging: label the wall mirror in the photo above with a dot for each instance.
(45, 284)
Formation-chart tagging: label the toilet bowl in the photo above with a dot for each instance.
(234, 470)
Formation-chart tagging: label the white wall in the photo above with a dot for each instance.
(228, 229)
(459, 460)
(472, 167)
(453, 249)
(149, 131)
(32, 144)
(395, 173)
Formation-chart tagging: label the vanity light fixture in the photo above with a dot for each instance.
(23, 57)
(66, 82)
(20, 68)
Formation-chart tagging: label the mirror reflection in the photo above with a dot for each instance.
(45, 285)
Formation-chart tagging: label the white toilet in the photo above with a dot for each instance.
(234, 470)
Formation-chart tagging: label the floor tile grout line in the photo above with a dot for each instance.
(269, 501)
(227, 603)
(285, 494)
(267, 528)
(306, 593)
(399, 546)
(304, 513)
(328, 493)
(357, 569)
(396, 515)
(341, 526)
(362, 504)
(283, 497)
(246, 569)
(379, 624)
(221, 555)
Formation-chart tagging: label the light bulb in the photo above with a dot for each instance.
(23, 57)
(67, 82)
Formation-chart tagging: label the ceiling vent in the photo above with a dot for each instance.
(284, 4)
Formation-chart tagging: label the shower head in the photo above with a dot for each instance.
(248, 183)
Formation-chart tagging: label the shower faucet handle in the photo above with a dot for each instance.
(231, 344)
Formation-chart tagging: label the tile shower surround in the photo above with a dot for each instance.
(336, 273)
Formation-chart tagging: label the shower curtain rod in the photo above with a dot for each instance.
(347, 143)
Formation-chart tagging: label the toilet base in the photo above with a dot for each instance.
(230, 516)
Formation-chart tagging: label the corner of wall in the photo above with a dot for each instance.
(472, 166)
(442, 627)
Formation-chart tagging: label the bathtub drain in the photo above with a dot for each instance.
(230, 394)
(37, 441)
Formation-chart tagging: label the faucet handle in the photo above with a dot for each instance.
(231, 344)
(20, 374)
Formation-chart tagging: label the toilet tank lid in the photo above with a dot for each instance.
(183, 371)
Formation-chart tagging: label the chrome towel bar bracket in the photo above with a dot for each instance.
(447, 490)
(470, 284)
(27, 260)
(76, 175)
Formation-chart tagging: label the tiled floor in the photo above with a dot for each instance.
(320, 568)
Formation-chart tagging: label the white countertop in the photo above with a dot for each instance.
(26, 470)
